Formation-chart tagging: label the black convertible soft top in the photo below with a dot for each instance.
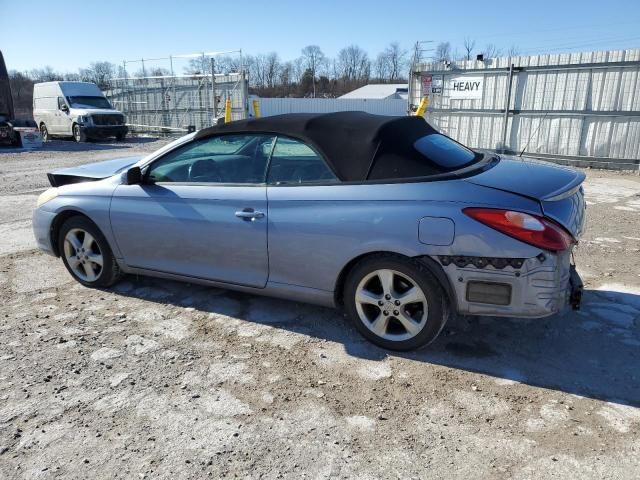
(349, 141)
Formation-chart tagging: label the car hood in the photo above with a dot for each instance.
(530, 178)
(90, 171)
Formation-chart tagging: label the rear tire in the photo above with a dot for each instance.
(78, 135)
(44, 132)
(395, 302)
(86, 253)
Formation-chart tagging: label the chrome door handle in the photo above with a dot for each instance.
(249, 214)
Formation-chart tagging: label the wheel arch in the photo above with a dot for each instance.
(57, 223)
(431, 265)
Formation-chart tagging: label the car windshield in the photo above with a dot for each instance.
(444, 152)
(89, 102)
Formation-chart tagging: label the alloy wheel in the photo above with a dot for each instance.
(83, 255)
(391, 305)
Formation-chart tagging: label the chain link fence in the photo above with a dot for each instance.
(169, 103)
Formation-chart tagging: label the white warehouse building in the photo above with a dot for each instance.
(379, 91)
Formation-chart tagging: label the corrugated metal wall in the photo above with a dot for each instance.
(579, 106)
(277, 106)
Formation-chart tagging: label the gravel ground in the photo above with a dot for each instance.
(155, 379)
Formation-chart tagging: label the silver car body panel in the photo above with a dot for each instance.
(538, 289)
(309, 233)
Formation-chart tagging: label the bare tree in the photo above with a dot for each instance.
(491, 51)
(45, 74)
(71, 77)
(443, 52)
(469, 45)
(314, 58)
(354, 64)
(381, 67)
(513, 51)
(227, 64)
(198, 66)
(271, 69)
(297, 69)
(22, 93)
(100, 73)
(396, 60)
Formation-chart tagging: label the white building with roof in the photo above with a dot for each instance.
(379, 91)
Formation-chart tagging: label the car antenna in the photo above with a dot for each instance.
(531, 136)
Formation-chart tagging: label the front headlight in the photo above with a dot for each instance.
(46, 196)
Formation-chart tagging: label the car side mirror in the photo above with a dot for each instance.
(65, 108)
(134, 176)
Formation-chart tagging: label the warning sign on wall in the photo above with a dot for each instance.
(427, 81)
(436, 84)
(431, 84)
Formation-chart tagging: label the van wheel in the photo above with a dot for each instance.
(395, 302)
(78, 135)
(120, 136)
(44, 132)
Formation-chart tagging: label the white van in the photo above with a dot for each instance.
(75, 109)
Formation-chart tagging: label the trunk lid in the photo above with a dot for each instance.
(557, 188)
(90, 172)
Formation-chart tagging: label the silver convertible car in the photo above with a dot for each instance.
(383, 217)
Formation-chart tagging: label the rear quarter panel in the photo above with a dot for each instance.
(314, 231)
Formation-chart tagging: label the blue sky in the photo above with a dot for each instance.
(39, 33)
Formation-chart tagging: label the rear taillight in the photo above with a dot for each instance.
(537, 231)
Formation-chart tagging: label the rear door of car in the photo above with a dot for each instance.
(201, 212)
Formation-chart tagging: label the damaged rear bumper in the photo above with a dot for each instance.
(526, 288)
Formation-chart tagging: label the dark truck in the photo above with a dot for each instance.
(8, 123)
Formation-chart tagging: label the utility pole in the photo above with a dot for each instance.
(213, 88)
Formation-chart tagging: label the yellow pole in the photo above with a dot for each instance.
(256, 108)
(227, 110)
(424, 103)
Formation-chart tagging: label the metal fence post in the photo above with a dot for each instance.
(507, 106)
(213, 88)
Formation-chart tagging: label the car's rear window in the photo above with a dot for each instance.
(407, 155)
(444, 152)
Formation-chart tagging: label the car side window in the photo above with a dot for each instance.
(294, 162)
(61, 103)
(237, 159)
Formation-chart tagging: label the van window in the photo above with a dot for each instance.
(89, 102)
(61, 103)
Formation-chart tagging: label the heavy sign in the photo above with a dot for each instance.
(464, 87)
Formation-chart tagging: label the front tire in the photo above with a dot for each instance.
(78, 135)
(395, 302)
(86, 253)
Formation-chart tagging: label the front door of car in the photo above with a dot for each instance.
(199, 212)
